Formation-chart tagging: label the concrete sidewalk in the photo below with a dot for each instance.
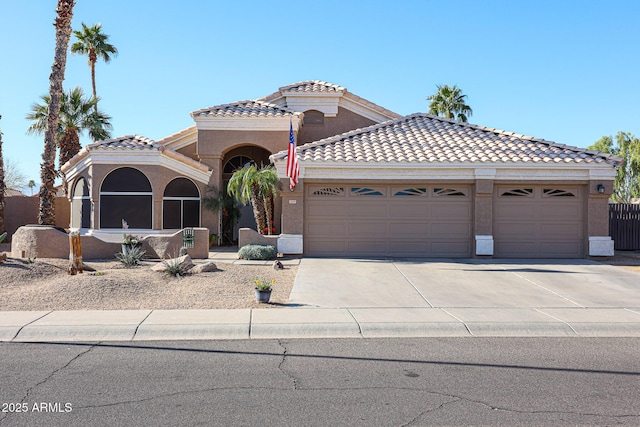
(115, 325)
(335, 298)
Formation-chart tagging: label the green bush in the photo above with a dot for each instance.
(131, 257)
(257, 252)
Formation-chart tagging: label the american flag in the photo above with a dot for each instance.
(293, 169)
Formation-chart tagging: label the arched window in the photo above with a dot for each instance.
(126, 195)
(237, 162)
(81, 205)
(181, 205)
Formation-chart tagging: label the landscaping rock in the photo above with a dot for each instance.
(203, 268)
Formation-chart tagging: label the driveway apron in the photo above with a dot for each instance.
(329, 282)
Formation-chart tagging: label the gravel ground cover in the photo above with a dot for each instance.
(45, 285)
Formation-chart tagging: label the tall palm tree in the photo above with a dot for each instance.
(449, 102)
(93, 43)
(31, 184)
(258, 186)
(62, 24)
(2, 186)
(77, 115)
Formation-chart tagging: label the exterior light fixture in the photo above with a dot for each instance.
(600, 188)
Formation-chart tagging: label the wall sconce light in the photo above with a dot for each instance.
(600, 188)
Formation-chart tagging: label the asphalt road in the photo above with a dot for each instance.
(360, 382)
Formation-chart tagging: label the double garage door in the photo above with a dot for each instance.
(384, 220)
(351, 219)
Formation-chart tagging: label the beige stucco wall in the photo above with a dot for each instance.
(46, 242)
(344, 121)
(21, 211)
(292, 208)
(483, 207)
(598, 208)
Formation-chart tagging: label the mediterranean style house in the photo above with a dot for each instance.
(372, 182)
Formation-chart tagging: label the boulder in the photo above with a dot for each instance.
(203, 268)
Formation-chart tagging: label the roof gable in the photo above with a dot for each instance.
(327, 97)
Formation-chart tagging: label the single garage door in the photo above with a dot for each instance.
(388, 220)
(539, 222)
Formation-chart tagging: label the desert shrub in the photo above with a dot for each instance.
(257, 252)
(131, 257)
(174, 267)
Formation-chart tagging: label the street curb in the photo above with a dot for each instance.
(139, 325)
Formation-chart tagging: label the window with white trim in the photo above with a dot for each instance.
(181, 204)
(126, 194)
(80, 205)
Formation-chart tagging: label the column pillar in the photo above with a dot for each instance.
(483, 217)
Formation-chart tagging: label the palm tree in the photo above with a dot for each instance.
(222, 203)
(258, 186)
(2, 186)
(46, 213)
(77, 115)
(269, 184)
(31, 184)
(93, 43)
(449, 102)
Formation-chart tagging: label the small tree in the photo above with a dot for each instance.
(256, 186)
(31, 184)
(222, 203)
(14, 177)
(627, 183)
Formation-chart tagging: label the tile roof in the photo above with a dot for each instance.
(425, 138)
(244, 109)
(312, 86)
(319, 86)
(128, 142)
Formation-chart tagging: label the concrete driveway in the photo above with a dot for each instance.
(449, 283)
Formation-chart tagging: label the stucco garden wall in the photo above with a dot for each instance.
(21, 211)
(43, 241)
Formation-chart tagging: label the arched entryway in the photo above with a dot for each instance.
(80, 205)
(181, 204)
(232, 161)
(126, 194)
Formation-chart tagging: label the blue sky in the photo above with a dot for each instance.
(566, 71)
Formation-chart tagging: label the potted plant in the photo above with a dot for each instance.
(263, 289)
(130, 241)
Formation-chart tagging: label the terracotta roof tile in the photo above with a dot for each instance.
(128, 142)
(312, 86)
(244, 109)
(426, 138)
